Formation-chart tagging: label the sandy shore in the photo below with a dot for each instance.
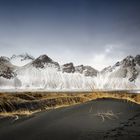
(109, 119)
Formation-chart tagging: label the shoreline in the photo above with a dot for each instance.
(68, 91)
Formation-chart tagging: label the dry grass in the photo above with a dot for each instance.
(107, 115)
(133, 97)
(12, 104)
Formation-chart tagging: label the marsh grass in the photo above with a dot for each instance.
(27, 103)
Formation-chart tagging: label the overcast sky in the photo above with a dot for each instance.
(92, 32)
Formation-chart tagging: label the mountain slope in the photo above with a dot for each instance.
(46, 74)
(124, 74)
(8, 76)
(127, 68)
(86, 70)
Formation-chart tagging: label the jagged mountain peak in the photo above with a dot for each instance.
(44, 72)
(21, 59)
(129, 57)
(137, 59)
(68, 68)
(44, 60)
(128, 61)
(23, 56)
(86, 70)
(127, 68)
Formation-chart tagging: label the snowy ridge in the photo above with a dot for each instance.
(21, 60)
(43, 73)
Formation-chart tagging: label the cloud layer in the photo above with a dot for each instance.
(97, 33)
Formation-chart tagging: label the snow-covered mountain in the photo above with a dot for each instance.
(26, 72)
(21, 60)
(127, 68)
(44, 61)
(44, 73)
(124, 74)
(85, 70)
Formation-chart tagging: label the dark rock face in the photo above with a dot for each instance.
(68, 68)
(134, 75)
(129, 62)
(79, 68)
(89, 71)
(4, 59)
(117, 64)
(43, 60)
(6, 70)
(8, 73)
(137, 59)
(86, 70)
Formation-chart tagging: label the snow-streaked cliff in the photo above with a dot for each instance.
(45, 74)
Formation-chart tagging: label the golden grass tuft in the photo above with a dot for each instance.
(27, 103)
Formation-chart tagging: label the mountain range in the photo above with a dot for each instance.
(26, 72)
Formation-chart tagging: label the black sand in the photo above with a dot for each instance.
(109, 119)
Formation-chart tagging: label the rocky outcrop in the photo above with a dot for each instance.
(7, 73)
(137, 59)
(86, 70)
(43, 61)
(6, 68)
(68, 68)
(22, 57)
